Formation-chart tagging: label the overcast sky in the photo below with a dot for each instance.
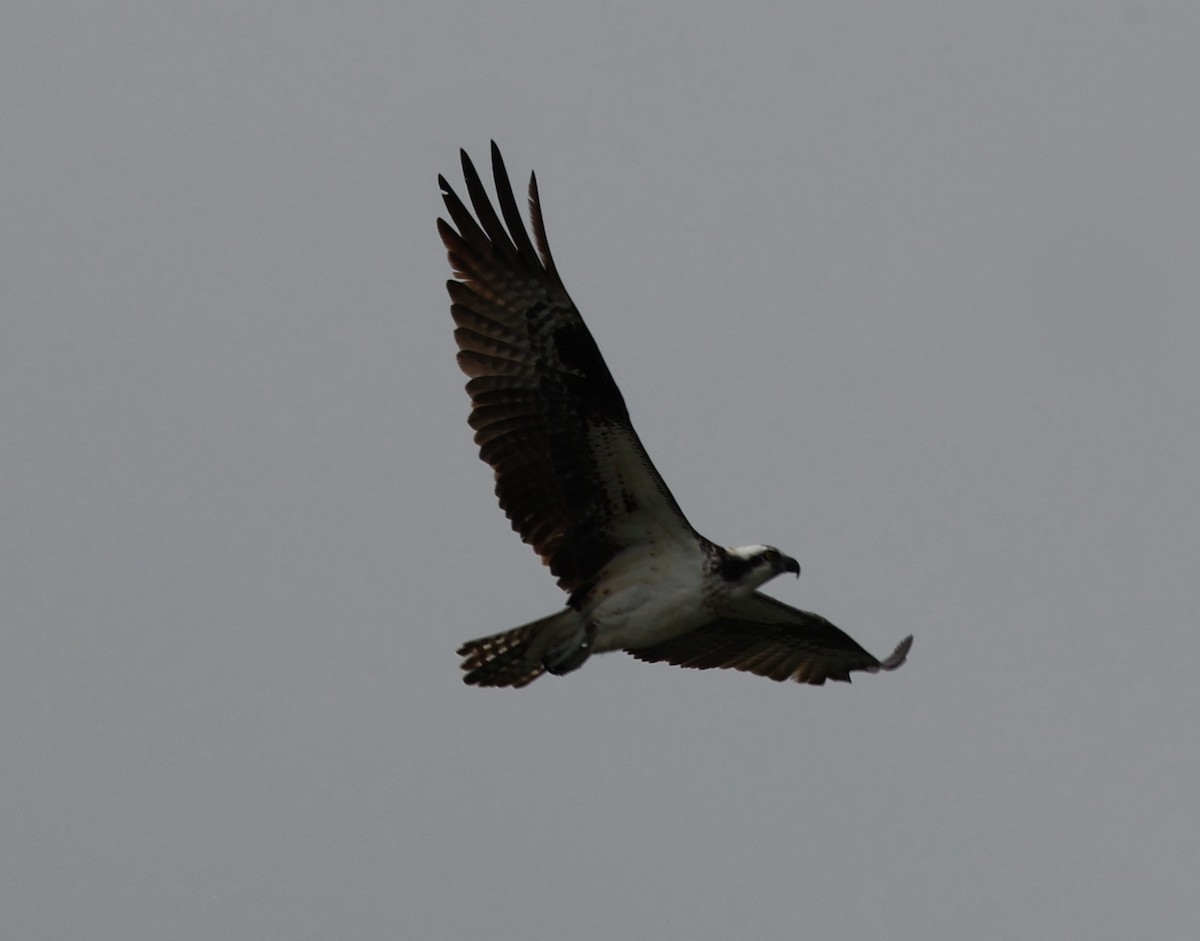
(908, 289)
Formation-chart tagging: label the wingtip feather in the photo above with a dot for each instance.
(899, 655)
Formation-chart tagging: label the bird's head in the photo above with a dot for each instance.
(751, 566)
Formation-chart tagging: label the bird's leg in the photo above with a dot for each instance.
(570, 654)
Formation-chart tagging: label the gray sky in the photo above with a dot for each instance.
(909, 290)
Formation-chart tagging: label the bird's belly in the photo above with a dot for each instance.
(654, 604)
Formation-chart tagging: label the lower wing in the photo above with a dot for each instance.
(760, 635)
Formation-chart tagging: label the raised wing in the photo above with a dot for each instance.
(767, 637)
(571, 474)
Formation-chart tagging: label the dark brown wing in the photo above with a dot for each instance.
(571, 474)
(767, 637)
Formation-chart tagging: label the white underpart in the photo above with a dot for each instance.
(652, 593)
(662, 585)
(649, 594)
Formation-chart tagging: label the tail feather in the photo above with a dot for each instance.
(512, 658)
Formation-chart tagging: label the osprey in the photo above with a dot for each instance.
(574, 479)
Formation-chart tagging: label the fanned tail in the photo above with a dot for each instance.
(513, 658)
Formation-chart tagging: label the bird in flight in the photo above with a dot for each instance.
(573, 478)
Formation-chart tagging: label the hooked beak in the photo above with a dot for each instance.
(788, 564)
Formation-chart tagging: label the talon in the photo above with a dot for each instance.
(570, 656)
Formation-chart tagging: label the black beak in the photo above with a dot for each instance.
(788, 564)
